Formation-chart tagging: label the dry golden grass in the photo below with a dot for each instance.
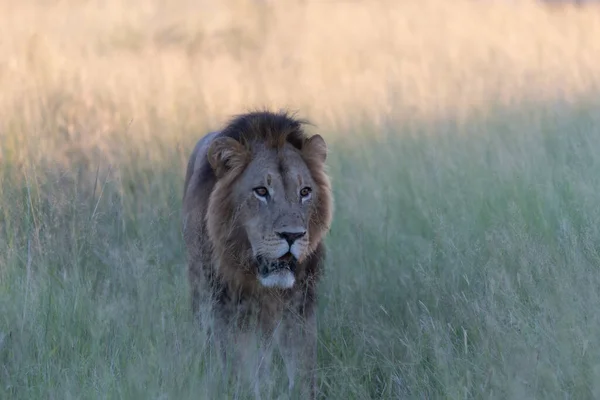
(87, 69)
(464, 134)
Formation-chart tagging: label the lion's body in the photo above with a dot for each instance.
(237, 260)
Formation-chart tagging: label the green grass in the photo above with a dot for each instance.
(463, 263)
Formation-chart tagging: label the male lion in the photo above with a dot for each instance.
(257, 204)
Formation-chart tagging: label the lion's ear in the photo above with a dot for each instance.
(225, 154)
(315, 148)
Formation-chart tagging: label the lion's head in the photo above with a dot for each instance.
(272, 203)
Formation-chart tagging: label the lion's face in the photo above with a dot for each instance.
(273, 200)
(275, 197)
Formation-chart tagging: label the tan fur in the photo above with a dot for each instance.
(234, 236)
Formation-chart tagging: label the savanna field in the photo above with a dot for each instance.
(464, 137)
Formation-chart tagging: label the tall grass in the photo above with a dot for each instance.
(464, 256)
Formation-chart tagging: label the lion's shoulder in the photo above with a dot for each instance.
(198, 168)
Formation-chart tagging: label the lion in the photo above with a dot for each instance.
(257, 205)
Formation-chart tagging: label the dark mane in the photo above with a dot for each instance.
(272, 128)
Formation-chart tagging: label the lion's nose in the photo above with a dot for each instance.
(291, 237)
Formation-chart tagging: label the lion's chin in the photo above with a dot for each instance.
(281, 279)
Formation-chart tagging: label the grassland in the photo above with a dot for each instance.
(465, 253)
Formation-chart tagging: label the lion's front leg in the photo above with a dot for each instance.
(298, 347)
(256, 356)
(246, 354)
(201, 293)
(249, 359)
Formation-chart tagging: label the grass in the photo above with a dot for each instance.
(465, 250)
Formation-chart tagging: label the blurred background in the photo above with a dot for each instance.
(169, 70)
(463, 151)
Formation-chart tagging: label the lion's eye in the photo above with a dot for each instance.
(261, 191)
(305, 191)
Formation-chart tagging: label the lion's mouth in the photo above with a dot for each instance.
(286, 258)
(277, 273)
(266, 266)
